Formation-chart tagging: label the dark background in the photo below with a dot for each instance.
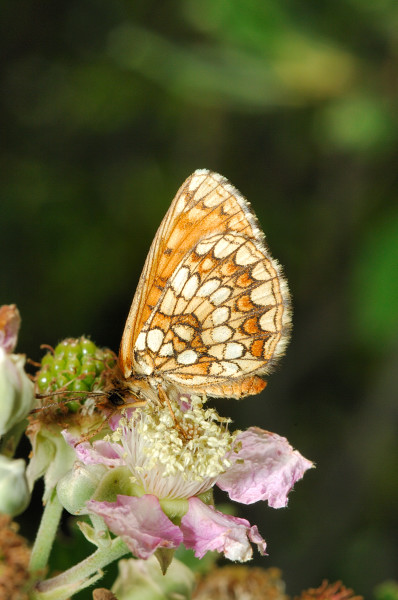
(107, 106)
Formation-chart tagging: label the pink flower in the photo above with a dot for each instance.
(166, 480)
(140, 522)
(100, 452)
(204, 529)
(265, 467)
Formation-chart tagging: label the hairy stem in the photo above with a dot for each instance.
(46, 534)
(81, 575)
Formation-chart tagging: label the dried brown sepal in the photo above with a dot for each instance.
(14, 562)
(329, 591)
(237, 582)
(10, 322)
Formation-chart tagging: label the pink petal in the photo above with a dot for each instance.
(100, 452)
(140, 522)
(204, 529)
(113, 421)
(264, 467)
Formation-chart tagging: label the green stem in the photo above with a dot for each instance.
(46, 534)
(98, 523)
(76, 578)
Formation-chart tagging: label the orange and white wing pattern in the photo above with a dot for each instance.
(212, 311)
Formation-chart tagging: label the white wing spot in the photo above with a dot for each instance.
(188, 357)
(180, 306)
(229, 368)
(179, 279)
(226, 246)
(185, 332)
(204, 247)
(168, 303)
(245, 257)
(181, 204)
(217, 351)
(217, 335)
(216, 368)
(267, 320)
(220, 295)
(247, 365)
(208, 288)
(259, 272)
(155, 339)
(144, 364)
(263, 295)
(221, 334)
(167, 350)
(140, 342)
(191, 286)
(220, 315)
(233, 350)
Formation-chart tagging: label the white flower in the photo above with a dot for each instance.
(16, 391)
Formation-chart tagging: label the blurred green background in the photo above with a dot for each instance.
(107, 106)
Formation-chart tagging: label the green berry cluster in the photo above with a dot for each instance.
(76, 365)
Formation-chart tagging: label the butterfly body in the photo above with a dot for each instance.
(137, 389)
(211, 313)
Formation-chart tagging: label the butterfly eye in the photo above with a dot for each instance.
(116, 399)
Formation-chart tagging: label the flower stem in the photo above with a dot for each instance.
(85, 573)
(46, 534)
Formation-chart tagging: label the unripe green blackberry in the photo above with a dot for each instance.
(76, 365)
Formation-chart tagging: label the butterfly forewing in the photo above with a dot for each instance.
(211, 309)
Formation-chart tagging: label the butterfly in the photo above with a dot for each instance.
(211, 314)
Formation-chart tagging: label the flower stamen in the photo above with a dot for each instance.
(178, 451)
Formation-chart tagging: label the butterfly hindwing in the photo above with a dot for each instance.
(211, 309)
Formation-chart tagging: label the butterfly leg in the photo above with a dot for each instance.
(164, 399)
(91, 434)
(135, 404)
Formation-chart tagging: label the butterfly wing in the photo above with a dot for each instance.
(211, 311)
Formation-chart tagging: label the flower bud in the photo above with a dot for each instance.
(78, 486)
(68, 375)
(140, 579)
(14, 491)
(16, 391)
(51, 457)
(75, 365)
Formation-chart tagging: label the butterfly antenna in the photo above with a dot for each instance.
(77, 396)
